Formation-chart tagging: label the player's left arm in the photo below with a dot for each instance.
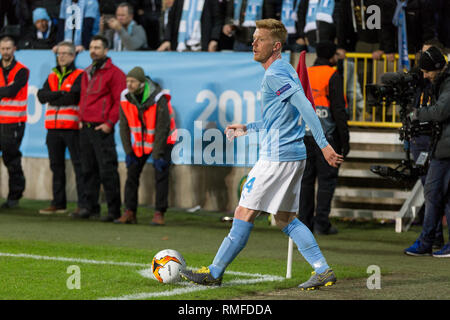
(299, 100)
(288, 90)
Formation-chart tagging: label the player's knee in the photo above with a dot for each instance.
(283, 219)
(245, 214)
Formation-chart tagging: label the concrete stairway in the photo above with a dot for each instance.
(363, 194)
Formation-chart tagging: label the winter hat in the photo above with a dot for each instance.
(432, 59)
(137, 73)
(40, 14)
(325, 49)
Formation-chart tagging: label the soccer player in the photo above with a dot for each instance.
(273, 185)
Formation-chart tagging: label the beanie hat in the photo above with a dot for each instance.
(40, 14)
(432, 59)
(325, 49)
(137, 73)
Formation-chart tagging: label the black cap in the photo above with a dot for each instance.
(326, 49)
(432, 59)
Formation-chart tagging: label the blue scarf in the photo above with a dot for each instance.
(289, 17)
(189, 32)
(73, 14)
(253, 12)
(318, 10)
(399, 21)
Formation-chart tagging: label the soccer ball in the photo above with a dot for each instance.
(166, 266)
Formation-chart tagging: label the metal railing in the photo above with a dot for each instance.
(355, 90)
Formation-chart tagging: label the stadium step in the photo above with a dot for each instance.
(362, 194)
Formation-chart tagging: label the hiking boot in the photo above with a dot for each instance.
(418, 249)
(9, 204)
(158, 219)
(438, 243)
(329, 231)
(324, 279)
(84, 213)
(52, 210)
(109, 218)
(127, 217)
(202, 276)
(443, 253)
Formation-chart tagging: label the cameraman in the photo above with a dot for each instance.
(437, 183)
(421, 143)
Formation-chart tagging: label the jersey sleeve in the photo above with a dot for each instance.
(282, 85)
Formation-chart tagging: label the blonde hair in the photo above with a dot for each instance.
(277, 29)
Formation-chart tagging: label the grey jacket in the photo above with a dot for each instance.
(440, 112)
(136, 40)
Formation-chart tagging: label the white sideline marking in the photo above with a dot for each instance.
(255, 277)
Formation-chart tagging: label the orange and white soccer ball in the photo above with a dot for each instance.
(166, 266)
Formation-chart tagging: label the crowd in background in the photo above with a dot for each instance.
(215, 25)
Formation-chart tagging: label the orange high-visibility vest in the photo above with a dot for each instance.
(62, 117)
(144, 137)
(13, 110)
(319, 78)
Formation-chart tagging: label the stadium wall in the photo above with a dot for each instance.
(192, 183)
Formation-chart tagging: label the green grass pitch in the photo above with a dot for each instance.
(36, 252)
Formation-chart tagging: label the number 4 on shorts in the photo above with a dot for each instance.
(249, 184)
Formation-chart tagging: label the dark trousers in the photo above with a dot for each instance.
(58, 140)
(419, 144)
(316, 168)
(11, 135)
(437, 199)
(99, 165)
(161, 183)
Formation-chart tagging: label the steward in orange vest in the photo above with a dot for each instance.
(61, 93)
(328, 93)
(13, 116)
(147, 127)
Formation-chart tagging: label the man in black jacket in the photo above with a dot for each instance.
(437, 183)
(62, 93)
(209, 33)
(420, 26)
(327, 86)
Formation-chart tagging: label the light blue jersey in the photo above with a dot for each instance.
(285, 109)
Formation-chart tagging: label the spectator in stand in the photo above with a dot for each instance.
(353, 34)
(62, 93)
(148, 14)
(26, 8)
(241, 17)
(316, 22)
(146, 115)
(13, 116)
(8, 11)
(290, 11)
(442, 14)
(195, 29)
(122, 32)
(101, 85)
(164, 18)
(420, 26)
(42, 35)
(77, 19)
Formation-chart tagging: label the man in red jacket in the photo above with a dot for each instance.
(101, 86)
